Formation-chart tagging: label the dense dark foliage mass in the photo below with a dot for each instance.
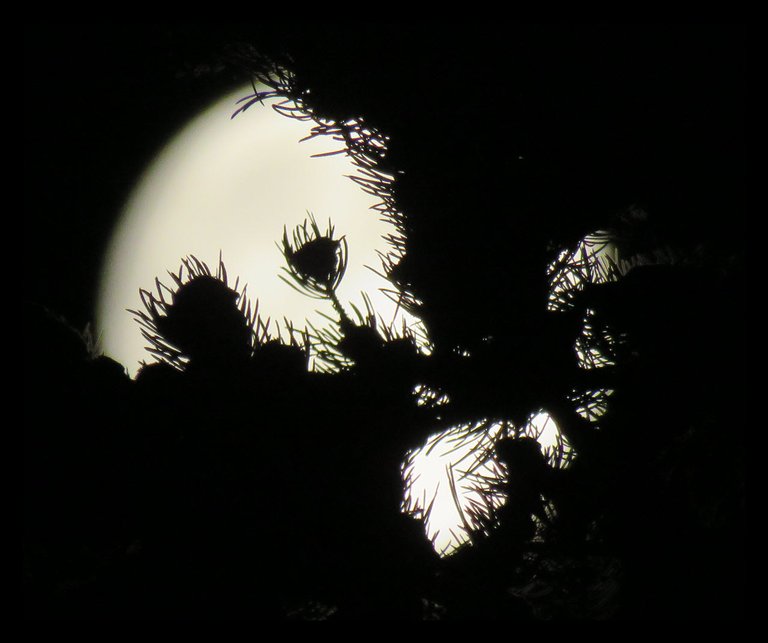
(228, 481)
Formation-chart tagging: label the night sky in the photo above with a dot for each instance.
(511, 142)
(540, 133)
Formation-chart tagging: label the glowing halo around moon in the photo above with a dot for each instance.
(224, 185)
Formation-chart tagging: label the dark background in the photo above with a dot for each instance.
(537, 135)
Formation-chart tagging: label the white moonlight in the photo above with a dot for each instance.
(224, 185)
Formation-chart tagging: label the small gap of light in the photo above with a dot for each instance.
(461, 459)
(430, 397)
(592, 405)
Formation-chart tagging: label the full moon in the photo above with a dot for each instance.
(227, 187)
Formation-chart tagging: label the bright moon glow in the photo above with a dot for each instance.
(444, 482)
(448, 479)
(230, 185)
(595, 260)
